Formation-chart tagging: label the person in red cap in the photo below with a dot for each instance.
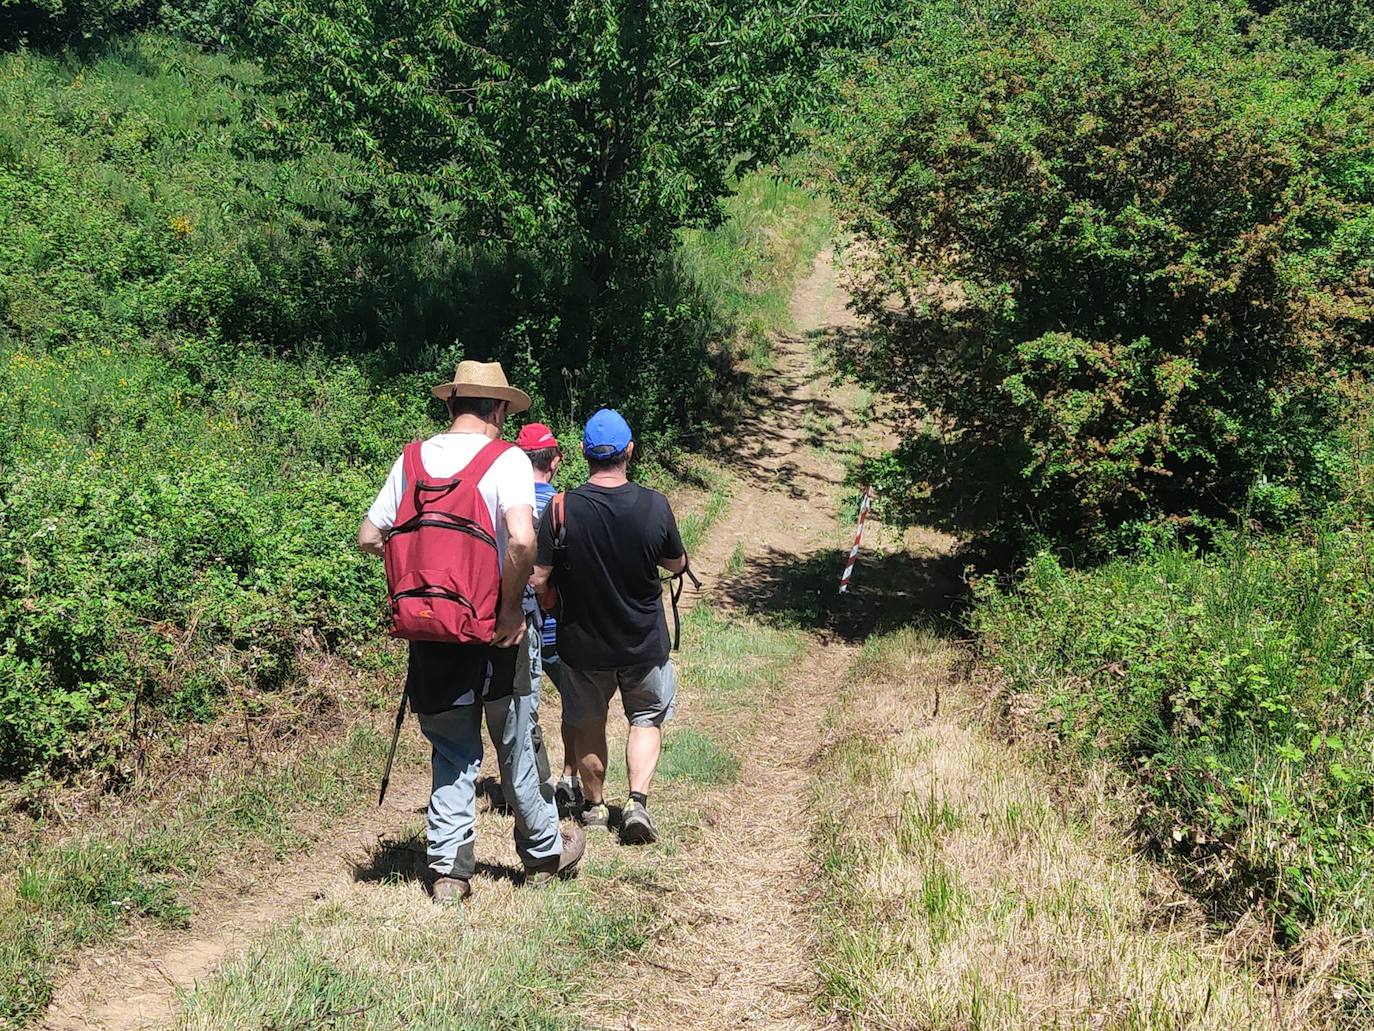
(541, 445)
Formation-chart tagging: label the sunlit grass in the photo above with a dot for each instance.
(954, 891)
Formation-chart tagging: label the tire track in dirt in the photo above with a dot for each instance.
(736, 949)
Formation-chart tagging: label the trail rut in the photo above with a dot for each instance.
(737, 950)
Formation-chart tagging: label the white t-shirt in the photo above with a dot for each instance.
(507, 485)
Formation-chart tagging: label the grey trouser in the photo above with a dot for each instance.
(456, 737)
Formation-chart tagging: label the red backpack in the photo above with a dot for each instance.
(443, 571)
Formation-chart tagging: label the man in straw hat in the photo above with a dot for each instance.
(446, 681)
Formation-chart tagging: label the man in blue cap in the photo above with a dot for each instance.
(603, 552)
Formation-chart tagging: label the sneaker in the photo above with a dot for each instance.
(595, 817)
(567, 794)
(562, 865)
(451, 889)
(635, 826)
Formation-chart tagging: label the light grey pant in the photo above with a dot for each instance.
(456, 737)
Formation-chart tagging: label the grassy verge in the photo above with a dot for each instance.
(60, 896)
(749, 265)
(389, 958)
(1233, 690)
(955, 893)
(380, 955)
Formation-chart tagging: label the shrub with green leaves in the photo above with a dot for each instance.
(1118, 256)
(1233, 689)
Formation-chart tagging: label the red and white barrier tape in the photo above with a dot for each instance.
(864, 506)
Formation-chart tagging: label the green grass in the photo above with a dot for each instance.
(961, 895)
(1233, 689)
(359, 963)
(71, 894)
(751, 263)
(694, 525)
(734, 565)
(736, 665)
(690, 755)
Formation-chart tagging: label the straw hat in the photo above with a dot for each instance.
(483, 379)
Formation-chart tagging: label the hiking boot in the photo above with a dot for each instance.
(635, 826)
(595, 817)
(562, 865)
(567, 795)
(451, 889)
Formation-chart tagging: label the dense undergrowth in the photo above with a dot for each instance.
(1119, 259)
(1230, 689)
(206, 364)
(1234, 688)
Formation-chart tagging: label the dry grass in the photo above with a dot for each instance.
(956, 894)
(384, 956)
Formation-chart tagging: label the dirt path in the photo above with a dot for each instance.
(736, 950)
(134, 984)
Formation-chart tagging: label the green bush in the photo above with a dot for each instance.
(1119, 258)
(1339, 24)
(1233, 689)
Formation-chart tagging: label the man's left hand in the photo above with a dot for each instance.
(510, 628)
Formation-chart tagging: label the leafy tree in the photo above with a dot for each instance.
(57, 23)
(90, 24)
(1339, 24)
(1119, 260)
(587, 132)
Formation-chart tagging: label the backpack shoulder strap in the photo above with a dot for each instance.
(412, 464)
(560, 519)
(484, 460)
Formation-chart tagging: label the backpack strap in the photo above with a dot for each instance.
(548, 597)
(560, 520)
(677, 584)
(484, 460)
(412, 464)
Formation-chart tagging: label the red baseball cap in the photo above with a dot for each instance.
(535, 436)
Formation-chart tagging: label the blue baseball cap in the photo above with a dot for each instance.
(607, 434)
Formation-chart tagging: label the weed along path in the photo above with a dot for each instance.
(134, 984)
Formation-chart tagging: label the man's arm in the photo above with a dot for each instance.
(539, 579)
(370, 539)
(510, 621)
(673, 556)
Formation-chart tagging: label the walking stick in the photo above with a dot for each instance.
(391, 755)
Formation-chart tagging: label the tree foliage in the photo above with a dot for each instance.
(588, 131)
(1119, 259)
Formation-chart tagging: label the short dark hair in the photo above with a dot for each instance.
(482, 407)
(543, 458)
(609, 463)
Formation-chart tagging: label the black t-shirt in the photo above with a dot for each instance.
(612, 599)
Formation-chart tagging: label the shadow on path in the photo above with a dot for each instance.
(886, 591)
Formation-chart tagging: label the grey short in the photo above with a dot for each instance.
(648, 693)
